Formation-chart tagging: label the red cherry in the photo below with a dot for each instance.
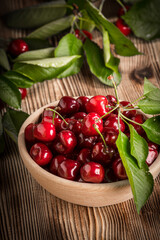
(44, 132)
(139, 119)
(47, 115)
(86, 142)
(89, 122)
(121, 11)
(110, 139)
(123, 27)
(65, 142)
(119, 169)
(84, 156)
(101, 154)
(40, 154)
(28, 133)
(82, 102)
(75, 126)
(69, 169)
(68, 105)
(92, 172)
(56, 161)
(17, 47)
(79, 35)
(23, 92)
(152, 155)
(130, 113)
(111, 124)
(111, 99)
(79, 115)
(98, 105)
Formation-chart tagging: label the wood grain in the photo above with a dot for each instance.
(27, 211)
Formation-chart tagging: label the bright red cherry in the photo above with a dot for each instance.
(92, 172)
(101, 154)
(79, 35)
(139, 119)
(129, 113)
(69, 169)
(56, 161)
(90, 122)
(65, 142)
(98, 105)
(84, 156)
(29, 137)
(86, 142)
(119, 169)
(111, 124)
(82, 102)
(44, 132)
(68, 105)
(41, 154)
(23, 92)
(123, 27)
(152, 155)
(17, 47)
(110, 139)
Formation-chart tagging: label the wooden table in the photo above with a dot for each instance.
(30, 212)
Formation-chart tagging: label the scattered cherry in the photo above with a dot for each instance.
(23, 92)
(123, 27)
(41, 154)
(92, 172)
(79, 35)
(17, 47)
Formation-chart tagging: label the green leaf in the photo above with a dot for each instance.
(18, 79)
(9, 93)
(123, 45)
(35, 43)
(4, 60)
(97, 65)
(52, 28)
(152, 129)
(139, 147)
(149, 106)
(69, 45)
(151, 91)
(86, 23)
(2, 143)
(39, 74)
(140, 179)
(35, 54)
(143, 18)
(35, 16)
(12, 122)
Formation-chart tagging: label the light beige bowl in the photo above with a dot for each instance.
(86, 194)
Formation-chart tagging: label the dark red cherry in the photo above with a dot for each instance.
(17, 47)
(29, 137)
(47, 115)
(65, 142)
(139, 119)
(44, 132)
(79, 35)
(90, 122)
(92, 172)
(111, 124)
(111, 99)
(23, 92)
(152, 155)
(123, 27)
(82, 100)
(79, 115)
(41, 154)
(68, 105)
(130, 113)
(98, 105)
(69, 169)
(101, 154)
(56, 161)
(86, 142)
(121, 11)
(119, 169)
(110, 139)
(84, 156)
(75, 126)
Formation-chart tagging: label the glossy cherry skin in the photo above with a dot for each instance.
(84, 155)
(72, 125)
(79, 35)
(23, 92)
(130, 113)
(17, 47)
(124, 28)
(101, 154)
(41, 154)
(111, 99)
(86, 142)
(92, 172)
(28, 133)
(152, 155)
(119, 169)
(90, 122)
(68, 105)
(79, 115)
(47, 115)
(139, 119)
(56, 161)
(44, 132)
(69, 169)
(65, 142)
(111, 124)
(98, 105)
(110, 139)
(82, 100)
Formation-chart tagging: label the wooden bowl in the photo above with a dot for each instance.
(86, 194)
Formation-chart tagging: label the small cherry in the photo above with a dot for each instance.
(28, 133)
(69, 169)
(41, 154)
(44, 131)
(84, 155)
(68, 105)
(56, 161)
(17, 47)
(23, 92)
(139, 119)
(92, 172)
(111, 124)
(82, 100)
(119, 169)
(90, 122)
(97, 104)
(123, 27)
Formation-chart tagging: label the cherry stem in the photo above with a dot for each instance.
(97, 130)
(122, 5)
(130, 109)
(107, 113)
(116, 93)
(49, 109)
(101, 5)
(119, 113)
(124, 117)
(84, 35)
(135, 101)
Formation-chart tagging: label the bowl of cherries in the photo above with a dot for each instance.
(69, 147)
